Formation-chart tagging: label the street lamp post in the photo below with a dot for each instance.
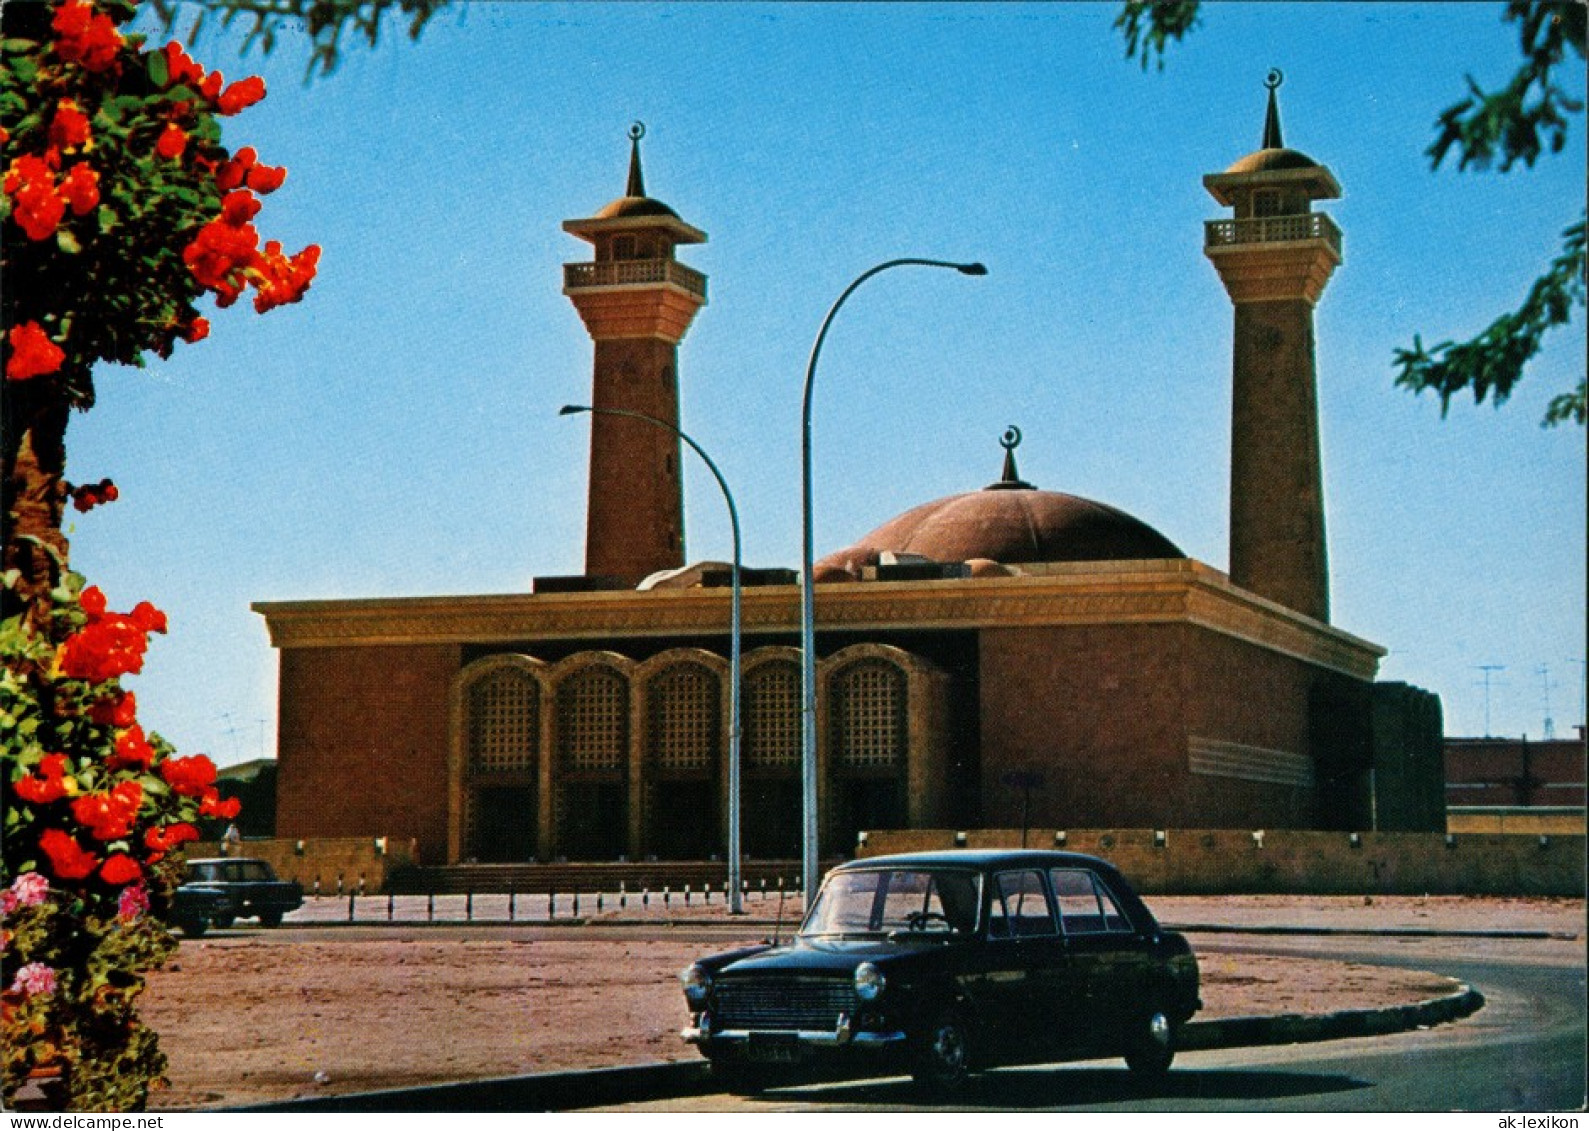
(736, 904)
(808, 656)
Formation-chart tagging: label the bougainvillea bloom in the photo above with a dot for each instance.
(188, 776)
(133, 902)
(67, 858)
(109, 815)
(86, 37)
(48, 784)
(120, 869)
(147, 617)
(80, 189)
(197, 330)
(35, 205)
(69, 127)
(173, 140)
(28, 890)
(266, 178)
(132, 749)
(32, 353)
(33, 980)
(180, 67)
(211, 805)
(241, 95)
(163, 838)
(286, 280)
(119, 711)
(91, 495)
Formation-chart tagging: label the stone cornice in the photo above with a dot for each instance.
(1169, 592)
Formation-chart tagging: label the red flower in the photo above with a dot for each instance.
(68, 860)
(32, 353)
(266, 178)
(91, 495)
(120, 869)
(109, 816)
(163, 838)
(219, 250)
(47, 785)
(197, 330)
(120, 712)
(92, 601)
(132, 749)
(286, 280)
(211, 805)
(147, 617)
(241, 95)
(36, 206)
(86, 37)
(81, 188)
(69, 127)
(210, 87)
(172, 141)
(190, 777)
(180, 68)
(238, 208)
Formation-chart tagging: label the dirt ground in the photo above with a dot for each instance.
(245, 1018)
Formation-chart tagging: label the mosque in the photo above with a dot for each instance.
(1000, 657)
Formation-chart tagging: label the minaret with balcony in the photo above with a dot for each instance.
(1275, 255)
(637, 301)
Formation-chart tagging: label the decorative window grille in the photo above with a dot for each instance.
(593, 721)
(869, 731)
(684, 718)
(504, 722)
(771, 709)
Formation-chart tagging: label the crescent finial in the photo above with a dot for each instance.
(1011, 438)
(637, 130)
(1276, 77)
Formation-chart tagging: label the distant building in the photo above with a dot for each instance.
(999, 654)
(1516, 784)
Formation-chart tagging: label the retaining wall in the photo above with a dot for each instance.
(1294, 861)
(338, 863)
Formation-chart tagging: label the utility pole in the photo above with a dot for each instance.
(1544, 679)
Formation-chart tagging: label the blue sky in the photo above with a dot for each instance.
(396, 433)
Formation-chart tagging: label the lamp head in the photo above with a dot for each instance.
(971, 269)
(572, 409)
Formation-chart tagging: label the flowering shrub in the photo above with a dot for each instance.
(120, 210)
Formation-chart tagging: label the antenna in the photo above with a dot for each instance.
(1543, 671)
(1488, 670)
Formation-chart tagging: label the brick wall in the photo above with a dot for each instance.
(363, 743)
(1215, 861)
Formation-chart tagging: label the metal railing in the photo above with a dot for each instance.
(1272, 229)
(631, 272)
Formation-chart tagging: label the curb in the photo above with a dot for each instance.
(601, 1087)
(1372, 932)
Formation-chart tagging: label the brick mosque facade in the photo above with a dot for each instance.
(1002, 656)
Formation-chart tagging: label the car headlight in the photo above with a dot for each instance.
(697, 986)
(869, 982)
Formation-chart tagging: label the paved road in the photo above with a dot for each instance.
(1525, 1051)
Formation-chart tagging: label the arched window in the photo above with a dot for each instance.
(771, 813)
(501, 738)
(592, 797)
(683, 741)
(868, 748)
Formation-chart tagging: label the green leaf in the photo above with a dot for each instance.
(107, 218)
(67, 242)
(159, 71)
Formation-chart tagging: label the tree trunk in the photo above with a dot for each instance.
(35, 417)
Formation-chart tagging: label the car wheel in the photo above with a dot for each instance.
(193, 928)
(224, 920)
(1153, 1045)
(943, 1053)
(270, 918)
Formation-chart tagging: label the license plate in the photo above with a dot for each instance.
(778, 1048)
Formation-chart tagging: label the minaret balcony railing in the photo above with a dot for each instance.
(633, 272)
(1272, 229)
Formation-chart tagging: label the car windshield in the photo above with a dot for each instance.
(890, 900)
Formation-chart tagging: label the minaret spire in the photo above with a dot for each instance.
(637, 183)
(1271, 120)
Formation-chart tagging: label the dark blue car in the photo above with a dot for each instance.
(942, 963)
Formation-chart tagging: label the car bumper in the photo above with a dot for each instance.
(842, 1036)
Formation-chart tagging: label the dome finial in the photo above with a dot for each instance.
(1011, 479)
(637, 184)
(1271, 121)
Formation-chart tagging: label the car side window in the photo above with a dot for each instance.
(1019, 907)
(1085, 905)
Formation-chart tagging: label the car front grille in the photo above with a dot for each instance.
(783, 1003)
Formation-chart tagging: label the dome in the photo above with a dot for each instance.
(1270, 160)
(634, 206)
(1009, 522)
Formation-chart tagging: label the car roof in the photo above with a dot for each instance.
(980, 858)
(228, 860)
